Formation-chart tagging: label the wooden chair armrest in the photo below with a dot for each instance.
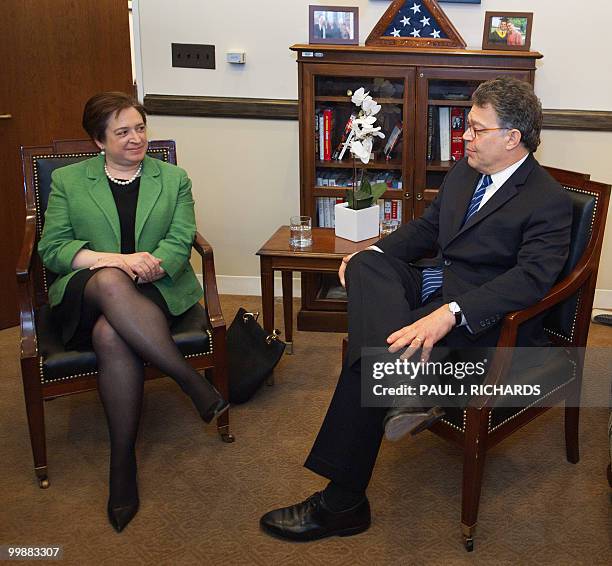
(502, 358)
(29, 343)
(27, 249)
(202, 246)
(559, 292)
(211, 295)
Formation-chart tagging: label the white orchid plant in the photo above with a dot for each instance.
(363, 133)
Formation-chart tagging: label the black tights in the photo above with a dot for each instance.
(130, 329)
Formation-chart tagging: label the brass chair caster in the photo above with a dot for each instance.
(42, 477)
(227, 437)
(468, 542)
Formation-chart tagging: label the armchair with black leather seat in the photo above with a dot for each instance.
(48, 370)
(566, 312)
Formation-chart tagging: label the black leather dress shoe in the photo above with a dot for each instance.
(399, 421)
(312, 520)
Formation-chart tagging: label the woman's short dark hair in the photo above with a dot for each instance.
(99, 108)
(516, 106)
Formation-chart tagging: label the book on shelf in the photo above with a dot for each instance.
(328, 212)
(321, 206)
(394, 137)
(433, 134)
(466, 111)
(327, 129)
(430, 113)
(457, 129)
(321, 137)
(444, 126)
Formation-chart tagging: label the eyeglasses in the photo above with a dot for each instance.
(475, 131)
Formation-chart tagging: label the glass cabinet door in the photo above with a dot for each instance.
(332, 170)
(444, 102)
(327, 166)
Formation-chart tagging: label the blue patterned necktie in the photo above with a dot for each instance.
(433, 276)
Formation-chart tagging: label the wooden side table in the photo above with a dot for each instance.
(324, 255)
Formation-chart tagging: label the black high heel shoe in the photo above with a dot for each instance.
(120, 516)
(215, 410)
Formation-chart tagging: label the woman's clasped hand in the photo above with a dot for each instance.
(140, 266)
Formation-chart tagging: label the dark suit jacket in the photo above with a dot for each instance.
(82, 214)
(505, 258)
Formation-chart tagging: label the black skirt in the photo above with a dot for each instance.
(76, 318)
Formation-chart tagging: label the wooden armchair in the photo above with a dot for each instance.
(567, 311)
(47, 369)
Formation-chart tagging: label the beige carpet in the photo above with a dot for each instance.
(201, 499)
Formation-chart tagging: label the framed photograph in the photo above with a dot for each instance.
(507, 31)
(334, 24)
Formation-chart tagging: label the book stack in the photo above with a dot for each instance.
(326, 124)
(390, 209)
(335, 178)
(326, 212)
(445, 127)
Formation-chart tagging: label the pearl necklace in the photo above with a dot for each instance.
(119, 182)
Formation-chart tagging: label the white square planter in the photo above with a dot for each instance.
(356, 225)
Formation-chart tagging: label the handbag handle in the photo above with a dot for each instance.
(272, 337)
(255, 315)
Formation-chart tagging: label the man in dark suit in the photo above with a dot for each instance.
(497, 236)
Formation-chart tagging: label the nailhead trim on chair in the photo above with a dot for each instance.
(74, 376)
(536, 401)
(571, 336)
(462, 429)
(453, 425)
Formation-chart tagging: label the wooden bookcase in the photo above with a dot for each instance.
(410, 84)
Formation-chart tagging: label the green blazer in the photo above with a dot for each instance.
(81, 213)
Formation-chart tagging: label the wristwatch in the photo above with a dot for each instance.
(456, 310)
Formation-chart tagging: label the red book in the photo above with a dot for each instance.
(327, 125)
(394, 210)
(457, 129)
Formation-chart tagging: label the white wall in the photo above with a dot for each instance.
(246, 172)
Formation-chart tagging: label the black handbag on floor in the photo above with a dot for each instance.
(252, 354)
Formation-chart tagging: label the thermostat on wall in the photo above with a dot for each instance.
(238, 57)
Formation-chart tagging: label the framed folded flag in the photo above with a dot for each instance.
(415, 23)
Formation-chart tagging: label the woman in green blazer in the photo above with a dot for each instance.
(118, 232)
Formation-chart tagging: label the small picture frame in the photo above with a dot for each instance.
(507, 31)
(333, 24)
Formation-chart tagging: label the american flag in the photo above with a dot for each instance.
(414, 20)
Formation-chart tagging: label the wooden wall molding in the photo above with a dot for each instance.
(286, 109)
(221, 107)
(591, 120)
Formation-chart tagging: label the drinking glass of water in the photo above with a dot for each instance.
(301, 231)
